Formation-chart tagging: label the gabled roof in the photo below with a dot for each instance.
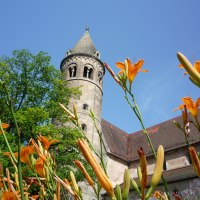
(115, 138)
(125, 146)
(85, 45)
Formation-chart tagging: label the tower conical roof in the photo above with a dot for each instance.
(85, 45)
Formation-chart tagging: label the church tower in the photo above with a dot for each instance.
(83, 68)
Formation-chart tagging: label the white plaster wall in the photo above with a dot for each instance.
(115, 170)
(177, 163)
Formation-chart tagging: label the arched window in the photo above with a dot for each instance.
(85, 106)
(91, 73)
(72, 71)
(85, 72)
(100, 76)
(84, 127)
(88, 72)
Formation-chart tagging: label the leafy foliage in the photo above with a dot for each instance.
(36, 88)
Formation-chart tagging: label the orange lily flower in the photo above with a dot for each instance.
(46, 143)
(35, 197)
(6, 195)
(131, 69)
(190, 105)
(39, 167)
(4, 126)
(25, 152)
(8, 154)
(1, 183)
(158, 195)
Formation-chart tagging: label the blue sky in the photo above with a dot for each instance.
(153, 30)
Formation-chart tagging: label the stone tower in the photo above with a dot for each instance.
(82, 67)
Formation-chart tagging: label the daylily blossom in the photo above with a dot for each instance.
(25, 153)
(9, 154)
(160, 196)
(190, 105)
(130, 69)
(1, 183)
(46, 143)
(39, 167)
(7, 195)
(4, 126)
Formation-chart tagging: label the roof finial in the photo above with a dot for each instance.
(87, 28)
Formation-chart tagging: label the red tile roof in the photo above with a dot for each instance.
(125, 146)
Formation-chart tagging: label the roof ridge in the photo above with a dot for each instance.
(85, 45)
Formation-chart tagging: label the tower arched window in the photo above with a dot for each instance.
(72, 71)
(100, 76)
(84, 127)
(85, 72)
(88, 72)
(85, 106)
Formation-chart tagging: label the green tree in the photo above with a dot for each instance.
(36, 88)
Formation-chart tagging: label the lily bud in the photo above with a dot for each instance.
(58, 190)
(16, 179)
(135, 186)
(68, 112)
(177, 124)
(139, 173)
(74, 183)
(126, 185)
(143, 166)
(189, 68)
(83, 170)
(100, 174)
(92, 115)
(195, 160)
(157, 170)
(112, 74)
(158, 167)
(75, 111)
(65, 184)
(118, 193)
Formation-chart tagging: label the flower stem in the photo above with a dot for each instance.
(7, 143)
(18, 143)
(137, 112)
